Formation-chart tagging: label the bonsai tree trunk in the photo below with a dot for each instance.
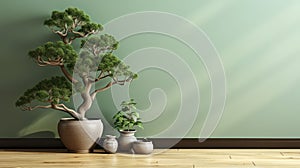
(87, 99)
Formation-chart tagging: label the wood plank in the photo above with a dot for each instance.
(178, 158)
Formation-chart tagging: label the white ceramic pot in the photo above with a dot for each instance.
(110, 144)
(125, 141)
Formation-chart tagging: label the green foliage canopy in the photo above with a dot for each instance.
(96, 56)
(72, 23)
(95, 50)
(55, 54)
(51, 91)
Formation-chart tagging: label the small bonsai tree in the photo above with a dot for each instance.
(94, 63)
(126, 119)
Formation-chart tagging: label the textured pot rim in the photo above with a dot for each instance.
(73, 119)
(110, 136)
(127, 132)
(142, 142)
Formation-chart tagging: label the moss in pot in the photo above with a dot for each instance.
(125, 121)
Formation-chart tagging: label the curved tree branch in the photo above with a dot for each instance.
(57, 62)
(73, 113)
(101, 77)
(78, 35)
(41, 62)
(67, 74)
(60, 107)
(30, 108)
(93, 95)
(61, 34)
(110, 84)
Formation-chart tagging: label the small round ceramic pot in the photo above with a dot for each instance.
(110, 144)
(142, 147)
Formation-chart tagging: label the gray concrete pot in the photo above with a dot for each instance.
(142, 147)
(80, 136)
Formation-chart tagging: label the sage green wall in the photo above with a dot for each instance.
(258, 42)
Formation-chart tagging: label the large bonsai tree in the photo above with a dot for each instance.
(92, 64)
